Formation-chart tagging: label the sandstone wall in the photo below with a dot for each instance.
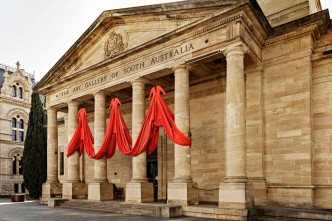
(287, 115)
(322, 122)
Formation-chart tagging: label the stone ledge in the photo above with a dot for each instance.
(294, 213)
(169, 211)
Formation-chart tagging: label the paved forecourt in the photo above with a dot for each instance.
(33, 211)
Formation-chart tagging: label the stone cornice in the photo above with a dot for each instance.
(204, 26)
(313, 30)
(15, 103)
(104, 19)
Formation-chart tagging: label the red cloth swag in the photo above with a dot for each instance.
(116, 132)
(82, 138)
(158, 115)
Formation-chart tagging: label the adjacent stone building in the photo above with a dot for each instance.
(15, 98)
(249, 80)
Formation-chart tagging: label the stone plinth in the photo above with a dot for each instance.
(50, 190)
(235, 195)
(139, 192)
(169, 211)
(182, 193)
(100, 191)
(74, 191)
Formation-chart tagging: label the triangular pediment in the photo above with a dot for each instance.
(119, 31)
(130, 32)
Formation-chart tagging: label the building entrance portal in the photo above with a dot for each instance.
(152, 172)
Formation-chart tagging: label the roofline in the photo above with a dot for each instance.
(156, 8)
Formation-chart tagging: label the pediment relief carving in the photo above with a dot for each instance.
(114, 45)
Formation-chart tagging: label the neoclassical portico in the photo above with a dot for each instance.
(201, 66)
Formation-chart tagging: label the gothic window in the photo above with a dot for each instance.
(20, 166)
(17, 129)
(17, 164)
(20, 92)
(14, 165)
(14, 91)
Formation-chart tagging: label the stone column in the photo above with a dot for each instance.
(139, 189)
(51, 187)
(235, 192)
(100, 189)
(180, 190)
(73, 188)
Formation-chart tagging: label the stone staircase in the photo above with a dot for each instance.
(116, 206)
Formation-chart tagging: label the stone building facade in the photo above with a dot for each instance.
(249, 80)
(15, 99)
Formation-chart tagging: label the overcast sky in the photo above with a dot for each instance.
(38, 32)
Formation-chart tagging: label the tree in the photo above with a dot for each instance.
(35, 148)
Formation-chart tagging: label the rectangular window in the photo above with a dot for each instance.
(13, 135)
(62, 163)
(20, 135)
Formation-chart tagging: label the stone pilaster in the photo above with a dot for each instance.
(139, 189)
(51, 187)
(100, 189)
(180, 190)
(236, 191)
(73, 188)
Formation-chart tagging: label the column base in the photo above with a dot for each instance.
(74, 191)
(50, 190)
(182, 193)
(100, 191)
(139, 192)
(233, 195)
(259, 191)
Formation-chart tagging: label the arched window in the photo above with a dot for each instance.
(20, 92)
(14, 129)
(14, 91)
(18, 164)
(17, 129)
(14, 165)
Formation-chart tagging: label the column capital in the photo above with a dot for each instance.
(51, 109)
(184, 67)
(99, 93)
(73, 103)
(139, 81)
(235, 50)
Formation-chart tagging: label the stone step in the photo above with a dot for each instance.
(269, 218)
(160, 210)
(280, 213)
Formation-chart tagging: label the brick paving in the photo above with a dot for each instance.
(33, 211)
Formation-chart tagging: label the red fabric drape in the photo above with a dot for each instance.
(158, 115)
(82, 138)
(116, 132)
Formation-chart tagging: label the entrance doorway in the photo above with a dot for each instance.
(152, 172)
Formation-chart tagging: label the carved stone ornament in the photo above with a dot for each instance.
(114, 45)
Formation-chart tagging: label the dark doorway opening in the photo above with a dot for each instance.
(152, 172)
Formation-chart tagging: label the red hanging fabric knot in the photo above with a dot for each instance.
(82, 138)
